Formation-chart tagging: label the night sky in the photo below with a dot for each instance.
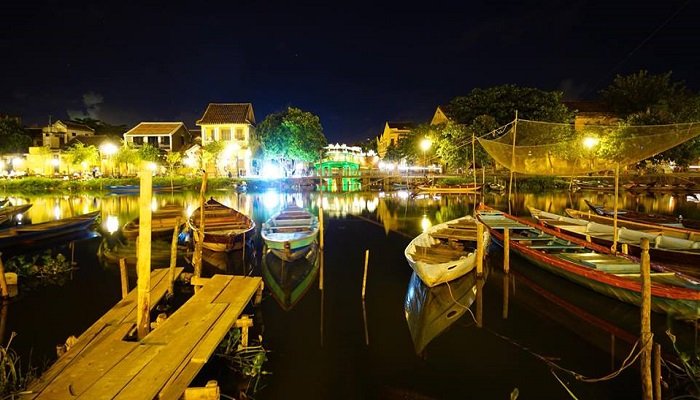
(355, 65)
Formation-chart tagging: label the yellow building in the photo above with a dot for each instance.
(392, 134)
(56, 135)
(234, 125)
(168, 136)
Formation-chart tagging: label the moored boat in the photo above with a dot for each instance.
(663, 248)
(11, 211)
(468, 188)
(595, 267)
(225, 229)
(629, 215)
(35, 233)
(290, 233)
(162, 223)
(430, 311)
(445, 251)
(669, 230)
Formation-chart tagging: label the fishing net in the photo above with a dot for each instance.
(545, 148)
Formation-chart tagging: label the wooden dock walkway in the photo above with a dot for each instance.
(101, 365)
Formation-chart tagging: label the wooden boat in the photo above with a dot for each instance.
(112, 252)
(289, 281)
(162, 223)
(34, 233)
(225, 229)
(430, 311)
(135, 189)
(468, 188)
(628, 215)
(290, 233)
(445, 251)
(594, 266)
(11, 211)
(674, 231)
(663, 248)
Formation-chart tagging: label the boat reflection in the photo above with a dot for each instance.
(289, 281)
(430, 311)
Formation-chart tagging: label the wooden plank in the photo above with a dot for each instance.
(91, 365)
(241, 292)
(171, 338)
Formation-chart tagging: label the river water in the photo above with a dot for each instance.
(329, 344)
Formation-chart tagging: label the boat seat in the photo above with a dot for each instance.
(595, 228)
(671, 243)
(632, 236)
(446, 250)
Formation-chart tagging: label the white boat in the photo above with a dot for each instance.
(445, 251)
(291, 233)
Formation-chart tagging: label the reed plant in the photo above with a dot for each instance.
(13, 379)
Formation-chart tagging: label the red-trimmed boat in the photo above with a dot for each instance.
(594, 266)
(225, 229)
(629, 215)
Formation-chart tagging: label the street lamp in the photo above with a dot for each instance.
(425, 146)
(589, 142)
(109, 149)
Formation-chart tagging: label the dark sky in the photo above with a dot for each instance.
(354, 64)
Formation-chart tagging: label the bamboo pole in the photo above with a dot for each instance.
(199, 240)
(4, 291)
(617, 188)
(474, 158)
(173, 257)
(320, 224)
(124, 277)
(479, 249)
(364, 277)
(506, 250)
(657, 371)
(646, 336)
(512, 163)
(320, 278)
(143, 264)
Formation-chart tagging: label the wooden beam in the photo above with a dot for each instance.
(143, 263)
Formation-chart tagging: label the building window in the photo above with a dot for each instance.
(165, 141)
(210, 134)
(153, 141)
(225, 133)
(138, 140)
(239, 134)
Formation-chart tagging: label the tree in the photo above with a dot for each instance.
(645, 99)
(291, 135)
(80, 154)
(148, 152)
(173, 159)
(12, 137)
(127, 155)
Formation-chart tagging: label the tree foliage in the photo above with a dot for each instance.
(79, 153)
(291, 135)
(12, 137)
(646, 99)
(148, 152)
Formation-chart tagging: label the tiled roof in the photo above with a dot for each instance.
(401, 125)
(155, 128)
(96, 140)
(75, 125)
(226, 113)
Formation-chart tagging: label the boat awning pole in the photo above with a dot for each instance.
(617, 188)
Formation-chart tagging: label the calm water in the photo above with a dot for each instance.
(327, 345)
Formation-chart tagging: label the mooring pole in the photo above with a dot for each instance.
(364, 277)
(506, 292)
(512, 163)
(124, 276)
(4, 291)
(173, 257)
(657, 371)
(506, 250)
(646, 337)
(479, 249)
(143, 263)
(617, 188)
(320, 224)
(199, 232)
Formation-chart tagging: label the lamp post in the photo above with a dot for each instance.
(109, 149)
(425, 146)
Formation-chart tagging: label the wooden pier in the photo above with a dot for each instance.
(102, 365)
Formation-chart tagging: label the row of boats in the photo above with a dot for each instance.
(577, 247)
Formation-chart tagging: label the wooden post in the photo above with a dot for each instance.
(479, 249)
(173, 257)
(320, 224)
(259, 294)
(646, 337)
(364, 277)
(657, 371)
(3, 283)
(617, 188)
(243, 251)
(124, 277)
(320, 277)
(512, 163)
(506, 250)
(143, 264)
(209, 392)
(244, 323)
(199, 233)
(479, 301)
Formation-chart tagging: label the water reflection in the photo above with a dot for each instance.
(289, 281)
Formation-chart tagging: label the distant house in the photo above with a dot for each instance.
(36, 133)
(392, 134)
(234, 125)
(441, 116)
(591, 113)
(60, 132)
(168, 136)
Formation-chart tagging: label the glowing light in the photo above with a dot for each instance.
(590, 142)
(19, 218)
(55, 162)
(232, 149)
(271, 171)
(425, 144)
(190, 162)
(154, 205)
(2, 165)
(425, 223)
(152, 166)
(108, 149)
(84, 164)
(112, 223)
(16, 162)
(372, 204)
(271, 200)
(189, 210)
(57, 212)
(403, 194)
